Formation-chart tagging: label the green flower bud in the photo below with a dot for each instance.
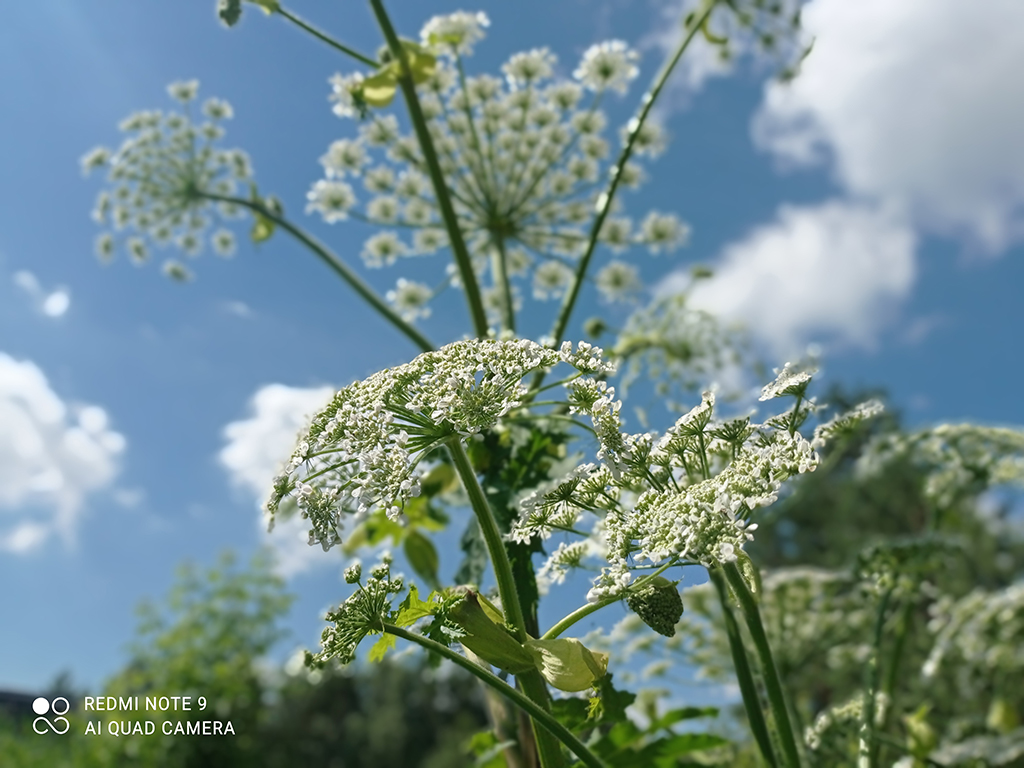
(658, 605)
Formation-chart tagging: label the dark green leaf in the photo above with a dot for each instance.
(229, 11)
(422, 556)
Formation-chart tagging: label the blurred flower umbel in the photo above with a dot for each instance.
(162, 178)
(524, 158)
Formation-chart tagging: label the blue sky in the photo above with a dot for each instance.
(874, 206)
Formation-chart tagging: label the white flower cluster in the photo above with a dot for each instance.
(362, 451)
(524, 160)
(670, 343)
(958, 459)
(984, 632)
(696, 487)
(162, 177)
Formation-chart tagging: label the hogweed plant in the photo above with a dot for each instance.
(517, 177)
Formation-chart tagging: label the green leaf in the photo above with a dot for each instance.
(378, 90)
(471, 569)
(381, 647)
(440, 479)
(490, 641)
(413, 609)
(567, 664)
(422, 556)
(688, 742)
(262, 229)
(229, 11)
(609, 706)
(683, 713)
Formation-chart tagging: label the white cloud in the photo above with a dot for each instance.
(53, 303)
(833, 272)
(919, 102)
(52, 455)
(258, 446)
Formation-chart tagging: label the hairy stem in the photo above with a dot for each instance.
(327, 38)
(892, 672)
(532, 682)
(333, 261)
(444, 201)
(770, 674)
(539, 715)
(744, 674)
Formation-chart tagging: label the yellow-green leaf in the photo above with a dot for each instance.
(567, 664)
(268, 6)
(378, 90)
(490, 641)
(262, 229)
(381, 647)
(413, 609)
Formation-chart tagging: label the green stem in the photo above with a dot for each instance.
(444, 201)
(333, 261)
(868, 746)
(492, 538)
(583, 611)
(504, 284)
(327, 38)
(744, 674)
(772, 681)
(532, 682)
(889, 685)
(606, 199)
(535, 711)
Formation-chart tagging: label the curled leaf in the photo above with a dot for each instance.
(490, 641)
(568, 664)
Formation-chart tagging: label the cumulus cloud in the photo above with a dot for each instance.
(52, 455)
(53, 303)
(834, 272)
(918, 102)
(255, 449)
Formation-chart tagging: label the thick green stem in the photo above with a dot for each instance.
(532, 682)
(539, 715)
(868, 746)
(604, 205)
(492, 538)
(327, 38)
(333, 261)
(444, 201)
(769, 672)
(744, 674)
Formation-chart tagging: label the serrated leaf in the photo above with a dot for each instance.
(229, 11)
(567, 664)
(422, 556)
(413, 609)
(381, 647)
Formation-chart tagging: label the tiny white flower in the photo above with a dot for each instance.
(331, 199)
(608, 65)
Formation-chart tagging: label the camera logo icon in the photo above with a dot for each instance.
(59, 707)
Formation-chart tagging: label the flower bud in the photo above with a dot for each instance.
(658, 605)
